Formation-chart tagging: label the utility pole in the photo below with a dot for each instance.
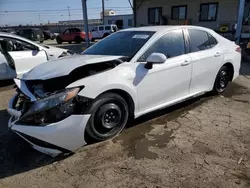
(69, 12)
(103, 11)
(85, 19)
(39, 19)
(239, 21)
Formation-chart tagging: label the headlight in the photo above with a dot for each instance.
(51, 101)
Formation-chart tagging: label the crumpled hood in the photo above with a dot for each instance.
(63, 66)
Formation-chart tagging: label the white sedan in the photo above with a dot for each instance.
(126, 75)
(19, 55)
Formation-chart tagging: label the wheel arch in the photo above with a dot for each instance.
(230, 66)
(127, 97)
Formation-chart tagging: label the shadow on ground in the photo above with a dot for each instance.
(16, 155)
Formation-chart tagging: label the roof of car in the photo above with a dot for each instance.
(163, 28)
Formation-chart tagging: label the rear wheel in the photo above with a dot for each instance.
(109, 115)
(222, 80)
(70, 42)
(59, 40)
(105, 35)
(78, 40)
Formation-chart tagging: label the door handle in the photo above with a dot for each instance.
(217, 54)
(185, 63)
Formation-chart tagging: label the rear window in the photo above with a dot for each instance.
(76, 30)
(198, 40)
(213, 41)
(25, 31)
(37, 31)
(107, 28)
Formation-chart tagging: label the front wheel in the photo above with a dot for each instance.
(222, 80)
(109, 115)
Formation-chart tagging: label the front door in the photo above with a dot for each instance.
(25, 55)
(206, 60)
(166, 82)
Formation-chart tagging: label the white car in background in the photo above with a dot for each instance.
(18, 55)
(103, 31)
(126, 75)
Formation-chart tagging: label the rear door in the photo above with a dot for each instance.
(100, 32)
(73, 33)
(206, 60)
(25, 55)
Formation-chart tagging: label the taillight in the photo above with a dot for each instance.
(238, 49)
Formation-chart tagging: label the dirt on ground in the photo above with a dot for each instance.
(204, 142)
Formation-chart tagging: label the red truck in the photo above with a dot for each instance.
(72, 34)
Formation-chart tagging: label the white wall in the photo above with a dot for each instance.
(227, 11)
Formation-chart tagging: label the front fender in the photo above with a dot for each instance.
(100, 83)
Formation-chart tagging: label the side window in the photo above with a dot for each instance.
(213, 41)
(18, 45)
(198, 40)
(101, 28)
(107, 28)
(171, 44)
(66, 31)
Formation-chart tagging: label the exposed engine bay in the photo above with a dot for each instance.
(44, 88)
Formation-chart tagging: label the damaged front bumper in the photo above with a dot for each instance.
(53, 139)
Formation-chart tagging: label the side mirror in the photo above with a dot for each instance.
(155, 58)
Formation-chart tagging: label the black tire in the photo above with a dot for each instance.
(105, 35)
(222, 80)
(93, 40)
(78, 40)
(109, 115)
(70, 42)
(59, 40)
(41, 41)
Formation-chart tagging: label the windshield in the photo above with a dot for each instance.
(125, 43)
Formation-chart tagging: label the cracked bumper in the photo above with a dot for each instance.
(53, 138)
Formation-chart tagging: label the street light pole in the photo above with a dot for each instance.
(103, 11)
(69, 12)
(85, 19)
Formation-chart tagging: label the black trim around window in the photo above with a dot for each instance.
(179, 6)
(160, 15)
(216, 13)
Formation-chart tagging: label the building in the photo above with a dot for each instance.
(122, 21)
(80, 22)
(208, 13)
(107, 12)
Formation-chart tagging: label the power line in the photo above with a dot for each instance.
(31, 1)
(55, 10)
